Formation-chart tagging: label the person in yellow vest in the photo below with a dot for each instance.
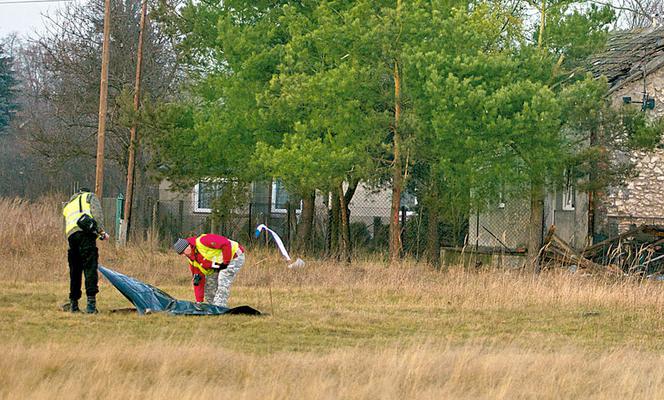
(214, 261)
(83, 226)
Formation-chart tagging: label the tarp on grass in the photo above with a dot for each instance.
(149, 299)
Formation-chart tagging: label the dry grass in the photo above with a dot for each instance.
(193, 370)
(25, 226)
(334, 331)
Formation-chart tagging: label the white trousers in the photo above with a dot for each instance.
(218, 284)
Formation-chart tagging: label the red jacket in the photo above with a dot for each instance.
(210, 241)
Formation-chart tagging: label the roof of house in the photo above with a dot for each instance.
(626, 55)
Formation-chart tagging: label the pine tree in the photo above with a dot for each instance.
(8, 103)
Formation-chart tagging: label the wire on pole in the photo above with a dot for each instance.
(33, 1)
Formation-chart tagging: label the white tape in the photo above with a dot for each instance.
(299, 263)
(276, 239)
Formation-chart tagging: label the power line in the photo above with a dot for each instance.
(33, 1)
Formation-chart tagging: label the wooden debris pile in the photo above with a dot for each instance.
(639, 251)
(557, 252)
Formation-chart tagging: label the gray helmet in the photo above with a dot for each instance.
(180, 245)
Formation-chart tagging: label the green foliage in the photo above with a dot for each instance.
(485, 120)
(289, 93)
(326, 96)
(642, 132)
(233, 195)
(169, 128)
(304, 92)
(360, 234)
(8, 82)
(574, 30)
(601, 135)
(231, 65)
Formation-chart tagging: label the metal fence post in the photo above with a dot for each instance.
(155, 212)
(403, 228)
(328, 231)
(288, 230)
(119, 214)
(180, 217)
(250, 225)
(477, 231)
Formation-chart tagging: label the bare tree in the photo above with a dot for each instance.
(59, 89)
(634, 14)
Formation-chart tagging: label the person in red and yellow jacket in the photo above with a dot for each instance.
(214, 261)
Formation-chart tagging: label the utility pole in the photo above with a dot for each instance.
(103, 94)
(124, 233)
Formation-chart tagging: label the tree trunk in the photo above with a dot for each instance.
(348, 196)
(591, 195)
(305, 227)
(433, 238)
(291, 224)
(540, 36)
(397, 181)
(591, 216)
(335, 216)
(597, 211)
(133, 137)
(536, 225)
(345, 226)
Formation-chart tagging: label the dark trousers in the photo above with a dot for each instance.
(82, 256)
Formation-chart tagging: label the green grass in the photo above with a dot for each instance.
(320, 319)
(334, 331)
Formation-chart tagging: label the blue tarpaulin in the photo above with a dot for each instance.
(149, 299)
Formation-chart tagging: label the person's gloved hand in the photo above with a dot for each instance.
(103, 236)
(197, 279)
(220, 267)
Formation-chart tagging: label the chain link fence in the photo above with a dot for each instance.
(167, 216)
(369, 226)
(502, 228)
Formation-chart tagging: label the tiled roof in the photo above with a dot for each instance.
(627, 53)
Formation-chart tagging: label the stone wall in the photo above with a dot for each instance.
(642, 197)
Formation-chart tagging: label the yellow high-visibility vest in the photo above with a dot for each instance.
(74, 210)
(211, 254)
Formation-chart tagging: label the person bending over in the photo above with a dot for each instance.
(214, 261)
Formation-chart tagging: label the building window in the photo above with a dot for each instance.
(205, 192)
(409, 202)
(280, 198)
(569, 192)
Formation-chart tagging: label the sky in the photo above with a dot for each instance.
(24, 18)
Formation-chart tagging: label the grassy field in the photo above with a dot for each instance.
(365, 331)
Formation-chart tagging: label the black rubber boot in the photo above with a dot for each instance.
(71, 306)
(92, 305)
